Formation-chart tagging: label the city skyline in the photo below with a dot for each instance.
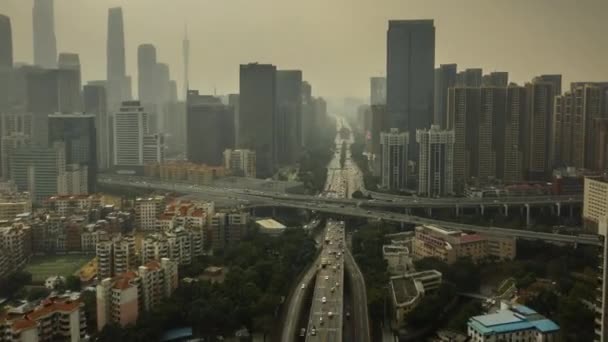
(337, 69)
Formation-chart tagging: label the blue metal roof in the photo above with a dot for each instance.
(505, 321)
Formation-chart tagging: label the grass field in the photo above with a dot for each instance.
(42, 267)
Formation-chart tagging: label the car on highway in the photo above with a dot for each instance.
(303, 286)
(324, 300)
(337, 284)
(321, 320)
(313, 331)
(326, 277)
(330, 314)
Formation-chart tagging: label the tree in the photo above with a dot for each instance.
(37, 293)
(14, 282)
(358, 194)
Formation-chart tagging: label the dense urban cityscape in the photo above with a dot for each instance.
(449, 204)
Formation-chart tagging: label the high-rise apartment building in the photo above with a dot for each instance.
(240, 162)
(445, 78)
(601, 141)
(595, 220)
(469, 78)
(45, 43)
(115, 256)
(436, 166)
(574, 114)
(8, 144)
(394, 159)
(288, 115)
(257, 115)
(537, 126)
(147, 211)
(495, 79)
(410, 76)
(379, 124)
(210, 127)
(119, 84)
(377, 88)
(120, 300)
(6, 42)
(95, 103)
(508, 135)
(78, 134)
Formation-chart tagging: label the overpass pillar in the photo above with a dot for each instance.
(571, 210)
(274, 212)
(527, 214)
(457, 210)
(407, 211)
(483, 209)
(559, 208)
(429, 212)
(506, 206)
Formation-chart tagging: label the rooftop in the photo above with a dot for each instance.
(270, 224)
(516, 318)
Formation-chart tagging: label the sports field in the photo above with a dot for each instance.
(42, 267)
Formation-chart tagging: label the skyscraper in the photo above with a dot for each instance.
(45, 43)
(78, 134)
(463, 114)
(495, 79)
(469, 78)
(410, 76)
(508, 144)
(69, 81)
(205, 143)
(95, 102)
(257, 114)
(6, 42)
(289, 115)
(130, 128)
(162, 80)
(39, 170)
(436, 167)
(119, 84)
(186, 56)
(377, 91)
(394, 159)
(146, 72)
(537, 126)
(445, 78)
(573, 125)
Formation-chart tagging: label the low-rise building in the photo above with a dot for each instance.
(184, 171)
(398, 259)
(450, 244)
(270, 227)
(15, 242)
(407, 291)
(66, 205)
(13, 204)
(227, 228)
(121, 299)
(512, 323)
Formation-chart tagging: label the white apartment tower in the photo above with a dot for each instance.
(241, 161)
(436, 163)
(394, 159)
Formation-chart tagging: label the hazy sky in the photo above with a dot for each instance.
(338, 44)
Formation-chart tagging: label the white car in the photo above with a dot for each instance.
(303, 286)
(324, 300)
(326, 277)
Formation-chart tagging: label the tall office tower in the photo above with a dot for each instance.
(15, 122)
(146, 74)
(508, 143)
(469, 78)
(119, 84)
(436, 167)
(95, 103)
(289, 115)
(394, 159)
(379, 124)
(9, 143)
(492, 107)
(445, 78)
(163, 77)
(153, 148)
(572, 127)
(130, 126)
(257, 114)
(78, 134)
(39, 170)
(6, 42)
(45, 44)
(233, 101)
(69, 82)
(205, 135)
(495, 79)
(309, 119)
(377, 88)
(186, 56)
(410, 76)
(172, 91)
(537, 126)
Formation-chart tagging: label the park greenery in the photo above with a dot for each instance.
(261, 272)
